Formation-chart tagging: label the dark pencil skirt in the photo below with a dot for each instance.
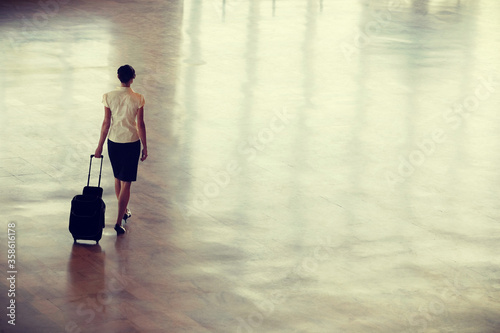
(124, 159)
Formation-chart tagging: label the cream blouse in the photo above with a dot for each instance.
(124, 104)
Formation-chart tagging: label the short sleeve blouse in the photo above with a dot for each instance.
(124, 104)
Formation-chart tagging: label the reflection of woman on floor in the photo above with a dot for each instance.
(122, 107)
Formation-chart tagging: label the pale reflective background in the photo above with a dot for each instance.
(315, 166)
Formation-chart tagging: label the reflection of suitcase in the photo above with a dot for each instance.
(87, 211)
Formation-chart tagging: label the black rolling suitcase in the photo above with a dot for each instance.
(86, 219)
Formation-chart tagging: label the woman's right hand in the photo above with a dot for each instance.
(98, 152)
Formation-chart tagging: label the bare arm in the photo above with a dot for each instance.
(141, 126)
(104, 131)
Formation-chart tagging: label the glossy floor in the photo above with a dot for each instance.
(315, 166)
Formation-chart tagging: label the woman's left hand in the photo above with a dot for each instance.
(144, 154)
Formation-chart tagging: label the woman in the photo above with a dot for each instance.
(124, 122)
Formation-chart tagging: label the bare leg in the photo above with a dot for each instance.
(117, 187)
(123, 198)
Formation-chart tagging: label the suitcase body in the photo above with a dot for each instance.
(87, 215)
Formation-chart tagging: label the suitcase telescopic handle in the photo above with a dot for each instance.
(100, 170)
